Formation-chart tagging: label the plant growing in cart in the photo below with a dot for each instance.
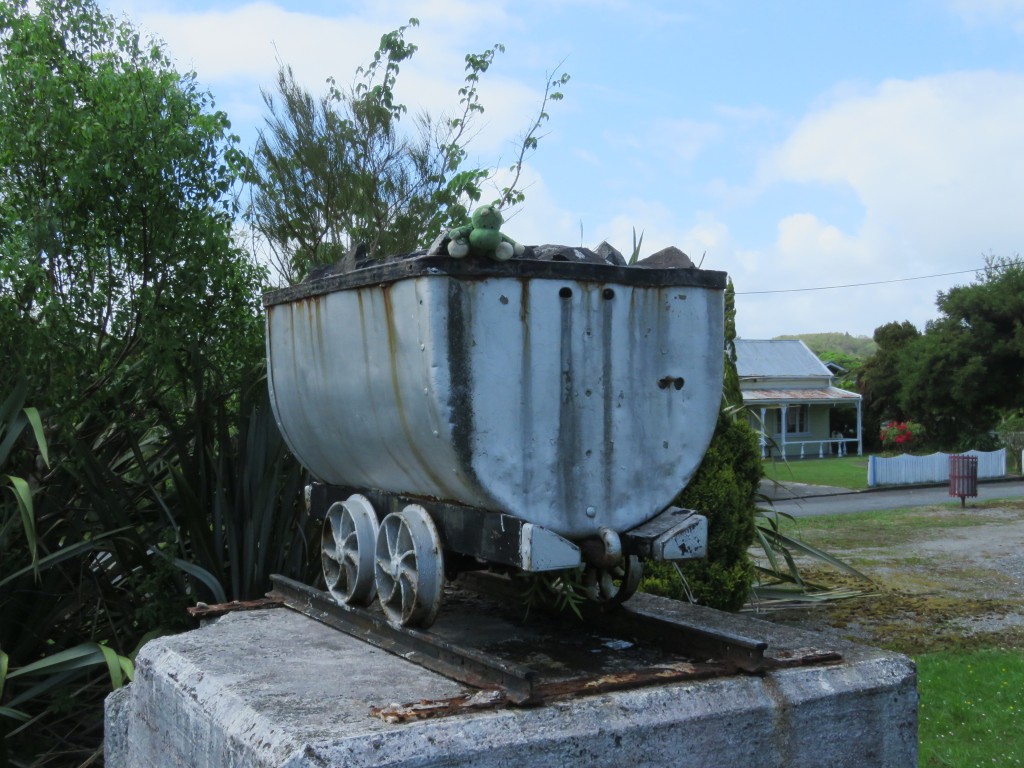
(338, 177)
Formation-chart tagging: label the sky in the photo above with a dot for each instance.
(797, 145)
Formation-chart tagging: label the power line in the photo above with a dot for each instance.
(858, 285)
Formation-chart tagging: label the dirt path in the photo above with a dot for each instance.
(945, 578)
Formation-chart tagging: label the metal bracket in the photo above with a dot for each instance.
(675, 534)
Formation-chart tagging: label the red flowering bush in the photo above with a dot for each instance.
(900, 435)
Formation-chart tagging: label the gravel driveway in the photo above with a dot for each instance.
(945, 577)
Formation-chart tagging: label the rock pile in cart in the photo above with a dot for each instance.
(667, 258)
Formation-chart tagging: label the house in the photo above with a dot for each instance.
(784, 383)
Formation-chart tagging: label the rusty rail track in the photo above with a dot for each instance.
(461, 663)
(668, 649)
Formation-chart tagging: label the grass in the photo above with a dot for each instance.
(847, 472)
(898, 526)
(971, 709)
(970, 681)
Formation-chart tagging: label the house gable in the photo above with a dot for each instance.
(779, 362)
(782, 379)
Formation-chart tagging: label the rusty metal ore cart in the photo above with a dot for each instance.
(530, 415)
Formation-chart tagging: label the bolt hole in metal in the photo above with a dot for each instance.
(677, 382)
(566, 293)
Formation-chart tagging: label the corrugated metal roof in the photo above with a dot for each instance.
(819, 396)
(777, 358)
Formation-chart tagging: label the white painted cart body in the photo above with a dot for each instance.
(579, 398)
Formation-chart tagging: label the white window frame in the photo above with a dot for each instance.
(797, 416)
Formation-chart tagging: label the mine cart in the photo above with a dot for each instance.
(522, 415)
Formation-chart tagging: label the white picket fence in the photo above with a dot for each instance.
(908, 470)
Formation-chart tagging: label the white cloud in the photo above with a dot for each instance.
(749, 260)
(937, 165)
(652, 223)
(990, 11)
(803, 239)
(241, 44)
(932, 166)
(751, 115)
(539, 219)
(682, 139)
(236, 51)
(709, 240)
(685, 139)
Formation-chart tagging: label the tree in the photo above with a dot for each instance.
(860, 347)
(337, 171)
(128, 318)
(116, 255)
(731, 393)
(881, 376)
(968, 368)
(848, 378)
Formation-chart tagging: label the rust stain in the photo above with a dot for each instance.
(524, 304)
(204, 611)
(608, 376)
(368, 369)
(433, 708)
(825, 394)
(314, 317)
(673, 672)
(393, 355)
(526, 415)
(488, 698)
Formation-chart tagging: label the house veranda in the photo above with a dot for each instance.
(792, 402)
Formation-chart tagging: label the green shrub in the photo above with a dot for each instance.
(722, 490)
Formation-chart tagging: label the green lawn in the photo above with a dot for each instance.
(882, 528)
(971, 697)
(971, 709)
(848, 472)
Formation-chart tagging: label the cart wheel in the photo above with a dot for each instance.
(613, 586)
(346, 550)
(409, 567)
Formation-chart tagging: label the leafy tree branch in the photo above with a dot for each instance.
(340, 173)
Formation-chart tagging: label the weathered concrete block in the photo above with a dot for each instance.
(274, 688)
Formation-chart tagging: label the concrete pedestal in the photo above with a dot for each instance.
(274, 688)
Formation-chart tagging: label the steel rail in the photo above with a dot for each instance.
(701, 650)
(449, 659)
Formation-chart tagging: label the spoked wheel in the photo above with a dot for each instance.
(613, 586)
(409, 568)
(346, 551)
